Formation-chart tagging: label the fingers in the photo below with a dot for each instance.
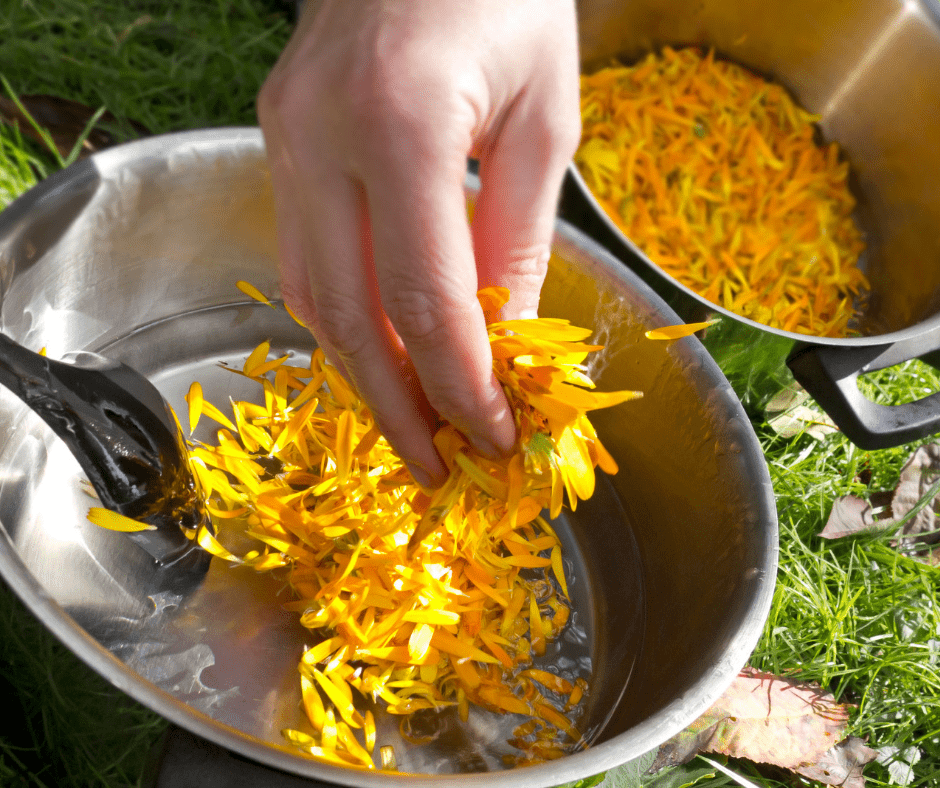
(426, 274)
(351, 326)
(521, 171)
(368, 121)
(328, 280)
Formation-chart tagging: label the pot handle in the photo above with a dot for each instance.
(830, 375)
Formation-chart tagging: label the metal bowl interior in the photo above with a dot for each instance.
(868, 69)
(134, 253)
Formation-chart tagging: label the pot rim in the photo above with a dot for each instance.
(609, 754)
(905, 334)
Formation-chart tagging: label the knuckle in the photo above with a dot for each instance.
(559, 135)
(528, 263)
(341, 321)
(291, 99)
(395, 94)
(275, 98)
(524, 270)
(416, 314)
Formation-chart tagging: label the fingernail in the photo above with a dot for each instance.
(499, 449)
(485, 447)
(529, 314)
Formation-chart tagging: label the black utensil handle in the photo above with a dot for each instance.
(119, 429)
(830, 375)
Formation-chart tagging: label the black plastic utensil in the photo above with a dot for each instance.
(124, 436)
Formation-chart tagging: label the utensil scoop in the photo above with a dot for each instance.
(126, 439)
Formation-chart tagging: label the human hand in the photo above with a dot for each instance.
(368, 118)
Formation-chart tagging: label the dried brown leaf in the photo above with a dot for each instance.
(917, 477)
(842, 765)
(850, 515)
(912, 513)
(766, 719)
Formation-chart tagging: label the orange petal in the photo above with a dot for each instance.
(492, 299)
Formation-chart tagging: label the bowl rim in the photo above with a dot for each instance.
(609, 754)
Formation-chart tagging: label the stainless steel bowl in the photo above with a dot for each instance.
(870, 70)
(134, 253)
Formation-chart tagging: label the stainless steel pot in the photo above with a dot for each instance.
(134, 253)
(871, 69)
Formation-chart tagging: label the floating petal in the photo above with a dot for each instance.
(116, 522)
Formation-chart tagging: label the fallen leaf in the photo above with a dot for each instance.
(910, 510)
(918, 478)
(850, 515)
(65, 120)
(789, 415)
(842, 765)
(766, 719)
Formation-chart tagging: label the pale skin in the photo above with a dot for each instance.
(368, 118)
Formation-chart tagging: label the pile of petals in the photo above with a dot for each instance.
(414, 599)
(718, 176)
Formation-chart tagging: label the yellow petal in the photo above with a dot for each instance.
(215, 414)
(256, 358)
(545, 328)
(105, 518)
(338, 692)
(370, 731)
(505, 700)
(267, 366)
(558, 569)
(576, 464)
(585, 399)
(313, 703)
(253, 292)
(345, 434)
(388, 760)
(194, 400)
(555, 683)
(677, 332)
(536, 628)
(296, 319)
(444, 618)
(420, 641)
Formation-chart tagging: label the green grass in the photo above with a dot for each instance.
(853, 615)
(19, 168)
(69, 727)
(168, 65)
